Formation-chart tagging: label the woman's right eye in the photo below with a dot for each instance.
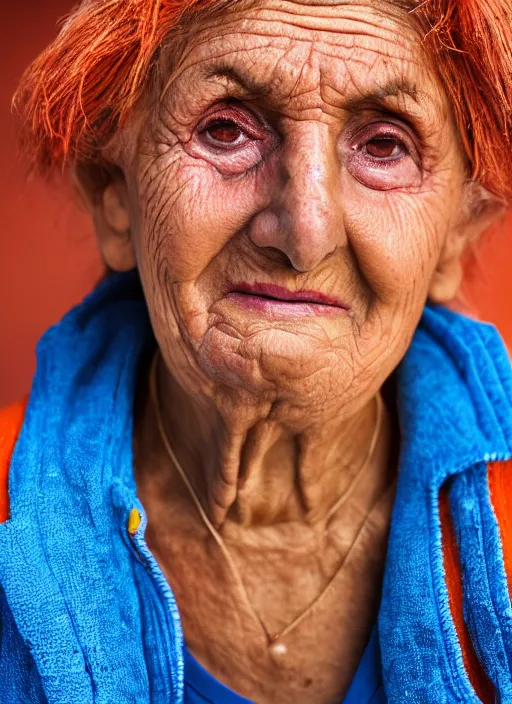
(233, 140)
(223, 132)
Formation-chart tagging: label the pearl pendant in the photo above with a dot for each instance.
(278, 649)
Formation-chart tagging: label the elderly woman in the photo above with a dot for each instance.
(266, 460)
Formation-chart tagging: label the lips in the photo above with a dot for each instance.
(278, 303)
(273, 292)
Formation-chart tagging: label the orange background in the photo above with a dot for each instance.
(47, 254)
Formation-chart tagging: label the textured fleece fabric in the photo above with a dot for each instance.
(87, 616)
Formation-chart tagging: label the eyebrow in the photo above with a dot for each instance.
(380, 97)
(251, 88)
(376, 98)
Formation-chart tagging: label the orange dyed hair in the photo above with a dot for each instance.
(76, 94)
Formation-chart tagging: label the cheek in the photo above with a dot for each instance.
(189, 213)
(396, 237)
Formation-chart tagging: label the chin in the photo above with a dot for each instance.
(270, 362)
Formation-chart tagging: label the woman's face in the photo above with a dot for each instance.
(293, 202)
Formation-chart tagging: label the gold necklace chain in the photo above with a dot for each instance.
(272, 638)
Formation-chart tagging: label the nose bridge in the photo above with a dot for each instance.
(310, 212)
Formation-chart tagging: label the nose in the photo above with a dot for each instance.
(304, 219)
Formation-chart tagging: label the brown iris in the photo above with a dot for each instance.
(224, 131)
(381, 148)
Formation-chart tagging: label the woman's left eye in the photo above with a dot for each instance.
(386, 148)
(384, 156)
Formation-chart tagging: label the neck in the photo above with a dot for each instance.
(248, 465)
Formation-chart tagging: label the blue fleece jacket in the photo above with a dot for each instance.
(87, 616)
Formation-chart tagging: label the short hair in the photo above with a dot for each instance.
(82, 88)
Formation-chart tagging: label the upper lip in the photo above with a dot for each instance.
(283, 294)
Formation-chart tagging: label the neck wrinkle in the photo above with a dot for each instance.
(259, 473)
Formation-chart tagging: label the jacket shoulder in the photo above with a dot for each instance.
(11, 421)
(499, 480)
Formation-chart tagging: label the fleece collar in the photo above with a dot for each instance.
(455, 410)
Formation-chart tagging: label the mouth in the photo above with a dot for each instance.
(279, 301)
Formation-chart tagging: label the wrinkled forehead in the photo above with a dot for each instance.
(327, 26)
(304, 52)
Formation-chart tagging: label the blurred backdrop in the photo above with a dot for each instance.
(48, 259)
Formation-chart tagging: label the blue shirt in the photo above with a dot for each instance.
(366, 688)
